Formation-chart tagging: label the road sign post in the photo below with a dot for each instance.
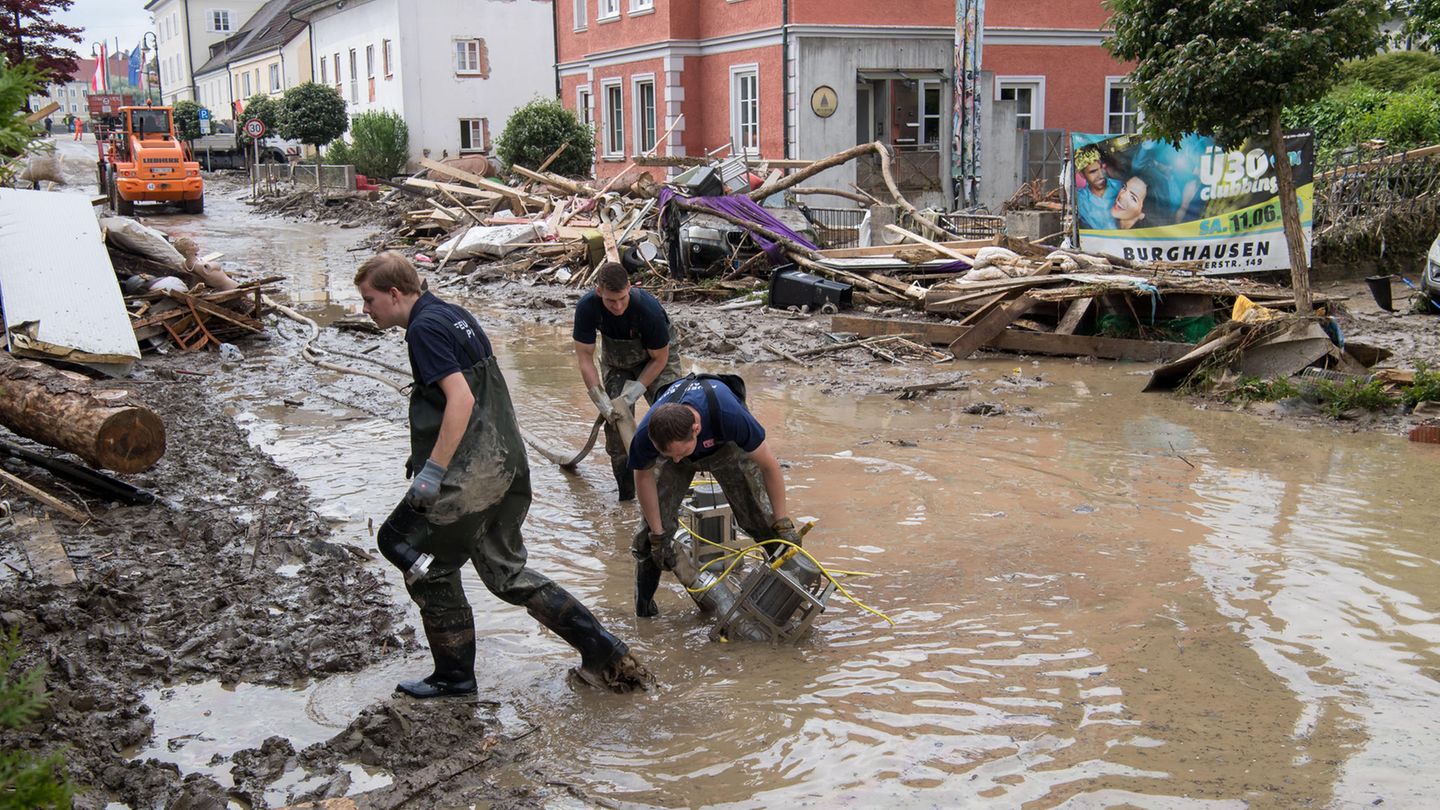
(255, 130)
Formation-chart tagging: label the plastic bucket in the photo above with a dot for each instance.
(1380, 291)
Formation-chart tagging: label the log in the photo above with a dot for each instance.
(837, 159)
(943, 334)
(107, 427)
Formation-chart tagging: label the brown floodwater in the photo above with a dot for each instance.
(1113, 599)
(1104, 598)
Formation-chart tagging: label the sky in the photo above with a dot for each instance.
(107, 19)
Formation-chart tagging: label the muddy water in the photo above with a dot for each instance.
(1119, 599)
(1114, 599)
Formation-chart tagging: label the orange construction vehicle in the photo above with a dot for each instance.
(141, 160)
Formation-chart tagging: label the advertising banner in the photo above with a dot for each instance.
(1148, 200)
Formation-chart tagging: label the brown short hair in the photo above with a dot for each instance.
(612, 276)
(670, 422)
(389, 269)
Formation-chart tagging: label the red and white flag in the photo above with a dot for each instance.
(99, 83)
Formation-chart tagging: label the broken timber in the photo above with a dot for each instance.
(943, 334)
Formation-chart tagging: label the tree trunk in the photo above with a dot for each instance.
(1290, 216)
(107, 427)
(837, 159)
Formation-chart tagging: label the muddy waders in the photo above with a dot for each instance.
(622, 361)
(744, 486)
(484, 498)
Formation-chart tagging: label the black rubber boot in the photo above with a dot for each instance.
(624, 479)
(605, 661)
(452, 646)
(647, 581)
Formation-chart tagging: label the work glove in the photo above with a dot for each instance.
(662, 550)
(631, 393)
(784, 529)
(425, 488)
(602, 403)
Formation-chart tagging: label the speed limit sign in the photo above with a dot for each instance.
(255, 128)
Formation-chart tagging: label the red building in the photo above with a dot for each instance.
(807, 78)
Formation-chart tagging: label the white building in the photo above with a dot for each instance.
(453, 69)
(269, 54)
(184, 32)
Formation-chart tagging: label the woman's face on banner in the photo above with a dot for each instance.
(1130, 202)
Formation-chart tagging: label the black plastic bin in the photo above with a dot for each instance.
(796, 288)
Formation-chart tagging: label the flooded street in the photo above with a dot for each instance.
(1102, 598)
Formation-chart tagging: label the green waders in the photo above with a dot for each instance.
(483, 501)
(744, 486)
(621, 362)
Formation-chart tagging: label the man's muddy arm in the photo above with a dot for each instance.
(649, 497)
(773, 476)
(585, 361)
(458, 404)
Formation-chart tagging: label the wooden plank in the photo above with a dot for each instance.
(42, 112)
(935, 246)
(942, 334)
(482, 183)
(45, 498)
(1074, 315)
(987, 327)
(48, 560)
(968, 247)
(458, 190)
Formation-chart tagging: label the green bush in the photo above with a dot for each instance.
(338, 153)
(1337, 398)
(1354, 113)
(187, 119)
(1426, 387)
(1394, 70)
(26, 781)
(1404, 120)
(16, 84)
(1255, 389)
(379, 144)
(537, 129)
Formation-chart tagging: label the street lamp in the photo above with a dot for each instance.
(145, 68)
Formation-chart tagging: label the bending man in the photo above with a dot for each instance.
(470, 493)
(699, 424)
(638, 354)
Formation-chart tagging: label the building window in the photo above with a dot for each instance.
(644, 95)
(1028, 93)
(641, 5)
(219, 21)
(474, 135)
(385, 58)
(245, 82)
(608, 10)
(354, 80)
(745, 109)
(585, 107)
(931, 105)
(324, 70)
(274, 78)
(581, 15)
(1121, 114)
(336, 62)
(471, 58)
(614, 120)
(370, 71)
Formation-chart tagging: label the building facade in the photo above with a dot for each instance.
(73, 95)
(453, 69)
(184, 32)
(268, 55)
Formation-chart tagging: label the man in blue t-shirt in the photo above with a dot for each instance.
(1096, 195)
(700, 425)
(637, 353)
(469, 494)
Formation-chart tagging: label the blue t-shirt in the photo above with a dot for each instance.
(1095, 211)
(442, 339)
(643, 320)
(733, 423)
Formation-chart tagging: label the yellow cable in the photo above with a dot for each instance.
(742, 553)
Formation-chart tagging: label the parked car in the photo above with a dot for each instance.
(1430, 282)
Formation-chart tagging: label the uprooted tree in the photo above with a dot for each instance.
(1228, 70)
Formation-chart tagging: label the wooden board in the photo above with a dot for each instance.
(48, 560)
(967, 246)
(942, 334)
(1073, 316)
(991, 324)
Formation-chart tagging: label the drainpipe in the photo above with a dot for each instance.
(785, 74)
(555, 40)
(190, 53)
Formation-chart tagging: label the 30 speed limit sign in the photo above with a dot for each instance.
(255, 128)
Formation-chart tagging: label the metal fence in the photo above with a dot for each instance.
(1365, 185)
(835, 227)
(282, 178)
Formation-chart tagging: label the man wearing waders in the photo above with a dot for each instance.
(699, 424)
(637, 351)
(469, 494)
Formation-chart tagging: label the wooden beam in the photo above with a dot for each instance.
(961, 246)
(458, 190)
(935, 246)
(1073, 316)
(942, 334)
(48, 560)
(45, 498)
(990, 325)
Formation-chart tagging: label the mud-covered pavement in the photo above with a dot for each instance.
(1100, 597)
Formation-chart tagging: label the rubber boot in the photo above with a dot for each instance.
(624, 479)
(452, 646)
(605, 661)
(647, 581)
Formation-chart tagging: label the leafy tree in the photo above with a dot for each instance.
(1393, 70)
(267, 109)
(1420, 25)
(313, 114)
(25, 780)
(1229, 68)
(538, 129)
(379, 143)
(17, 82)
(28, 33)
(187, 119)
